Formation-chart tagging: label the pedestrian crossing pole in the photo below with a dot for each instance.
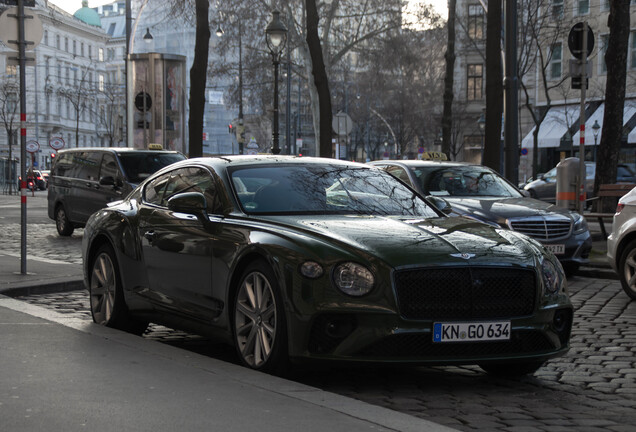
(23, 157)
(582, 173)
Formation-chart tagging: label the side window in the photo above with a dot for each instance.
(161, 189)
(109, 167)
(87, 165)
(64, 166)
(153, 193)
(400, 173)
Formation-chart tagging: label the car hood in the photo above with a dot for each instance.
(406, 242)
(498, 209)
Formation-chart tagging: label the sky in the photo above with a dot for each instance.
(71, 6)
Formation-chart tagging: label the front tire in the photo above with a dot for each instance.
(108, 306)
(627, 269)
(260, 334)
(64, 226)
(512, 369)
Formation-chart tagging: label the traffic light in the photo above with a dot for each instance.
(230, 129)
(53, 156)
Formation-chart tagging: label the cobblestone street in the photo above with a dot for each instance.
(592, 388)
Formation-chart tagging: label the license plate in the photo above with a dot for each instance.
(557, 249)
(471, 331)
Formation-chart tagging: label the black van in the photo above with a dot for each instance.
(84, 180)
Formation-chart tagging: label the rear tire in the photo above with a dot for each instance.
(106, 294)
(627, 269)
(64, 226)
(512, 369)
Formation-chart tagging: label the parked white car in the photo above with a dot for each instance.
(621, 243)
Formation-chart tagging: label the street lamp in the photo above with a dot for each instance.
(595, 128)
(148, 36)
(481, 122)
(276, 36)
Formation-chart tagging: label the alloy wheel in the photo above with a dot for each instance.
(255, 319)
(102, 289)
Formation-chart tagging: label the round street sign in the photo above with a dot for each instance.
(56, 143)
(32, 146)
(143, 101)
(575, 40)
(33, 29)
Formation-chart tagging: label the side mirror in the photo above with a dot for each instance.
(188, 202)
(525, 193)
(441, 204)
(107, 181)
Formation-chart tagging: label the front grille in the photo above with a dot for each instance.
(542, 229)
(418, 345)
(465, 293)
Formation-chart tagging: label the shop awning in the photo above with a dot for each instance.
(553, 127)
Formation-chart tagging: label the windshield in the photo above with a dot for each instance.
(324, 189)
(463, 181)
(140, 165)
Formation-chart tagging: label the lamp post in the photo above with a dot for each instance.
(481, 122)
(276, 36)
(595, 128)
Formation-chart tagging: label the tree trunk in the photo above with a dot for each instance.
(612, 134)
(447, 116)
(198, 75)
(320, 79)
(494, 88)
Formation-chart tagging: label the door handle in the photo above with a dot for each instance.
(149, 235)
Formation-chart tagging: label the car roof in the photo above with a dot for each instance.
(252, 160)
(416, 163)
(117, 150)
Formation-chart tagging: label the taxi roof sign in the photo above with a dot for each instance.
(155, 146)
(434, 156)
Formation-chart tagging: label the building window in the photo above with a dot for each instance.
(101, 83)
(66, 44)
(57, 41)
(555, 61)
(100, 54)
(46, 37)
(605, 5)
(583, 7)
(90, 52)
(59, 72)
(632, 51)
(601, 52)
(74, 47)
(557, 9)
(475, 81)
(475, 22)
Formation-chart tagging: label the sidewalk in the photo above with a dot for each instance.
(61, 373)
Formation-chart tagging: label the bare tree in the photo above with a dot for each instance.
(80, 96)
(109, 114)
(494, 89)
(9, 102)
(539, 31)
(616, 61)
(447, 118)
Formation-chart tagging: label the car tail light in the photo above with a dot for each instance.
(619, 207)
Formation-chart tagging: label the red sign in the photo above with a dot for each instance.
(56, 143)
(32, 146)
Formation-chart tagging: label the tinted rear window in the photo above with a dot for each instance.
(138, 166)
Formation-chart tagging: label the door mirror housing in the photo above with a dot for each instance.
(188, 202)
(441, 204)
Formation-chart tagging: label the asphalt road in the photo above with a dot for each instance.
(592, 388)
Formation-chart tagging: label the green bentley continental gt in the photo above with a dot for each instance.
(294, 259)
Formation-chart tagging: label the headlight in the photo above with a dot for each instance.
(353, 279)
(552, 276)
(580, 224)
